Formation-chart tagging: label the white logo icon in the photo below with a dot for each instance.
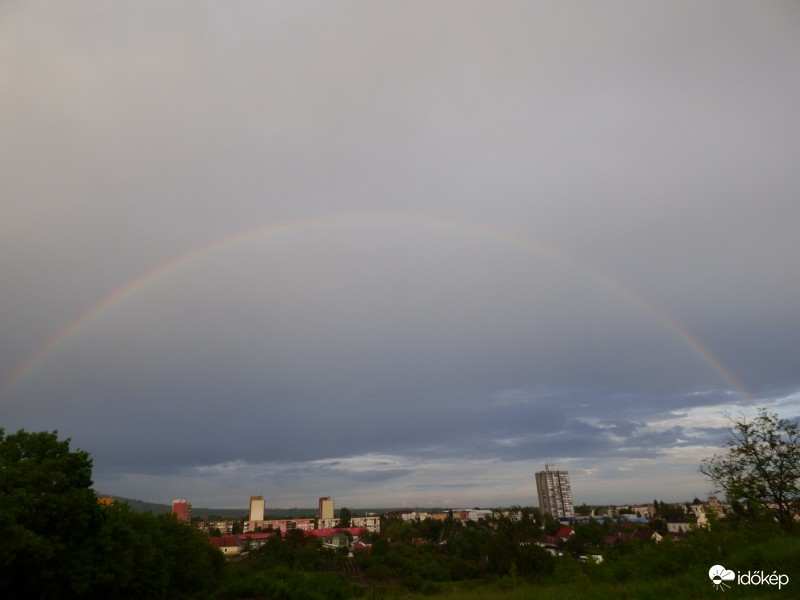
(719, 575)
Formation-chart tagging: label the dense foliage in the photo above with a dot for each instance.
(56, 541)
(47, 510)
(499, 558)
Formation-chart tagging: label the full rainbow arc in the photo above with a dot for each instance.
(157, 273)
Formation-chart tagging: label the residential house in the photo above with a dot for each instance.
(678, 524)
(229, 545)
(565, 533)
(256, 540)
(335, 541)
(642, 535)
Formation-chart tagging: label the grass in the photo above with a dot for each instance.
(667, 589)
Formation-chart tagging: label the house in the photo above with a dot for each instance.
(698, 510)
(551, 544)
(565, 533)
(334, 541)
(323, 533)
(229, 545)
(610, 540)
(642, 535)
(678, 524)
(256, 540)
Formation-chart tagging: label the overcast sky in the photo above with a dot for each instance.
(398, 253)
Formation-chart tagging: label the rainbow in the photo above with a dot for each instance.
(169, 267)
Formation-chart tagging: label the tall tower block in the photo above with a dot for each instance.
(325, 508)
(256, 508)
(182, 509)
(555, 493)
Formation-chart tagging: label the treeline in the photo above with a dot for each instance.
(500, 557)
(56, 541)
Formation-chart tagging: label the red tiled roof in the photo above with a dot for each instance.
(564, 532)
(637, 535)
(225, 541)
(331, 530)
(255, 536)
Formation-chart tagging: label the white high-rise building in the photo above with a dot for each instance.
(555, 493)
(256, 508)
(325, 508)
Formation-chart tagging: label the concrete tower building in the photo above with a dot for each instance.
(256, 508)
(182, 509)
(555, 493)
(325, 508)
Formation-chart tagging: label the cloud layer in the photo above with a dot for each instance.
(398, 254)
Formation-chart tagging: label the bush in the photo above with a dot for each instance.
(282, 584)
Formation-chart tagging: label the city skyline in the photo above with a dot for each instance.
(399, 254)
(550, 477)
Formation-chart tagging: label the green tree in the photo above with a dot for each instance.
(398, 530)
(344, 517)
(551, 525)
(57, 542)
(591, 532)
(429, 529)
(47, 511)
(761, 466)
(512, 547)
(141, 555)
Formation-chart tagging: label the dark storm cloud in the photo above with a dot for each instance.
(572, 237)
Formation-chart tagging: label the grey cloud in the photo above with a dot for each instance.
(567, 225)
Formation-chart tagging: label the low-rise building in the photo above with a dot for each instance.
(371, 523)
(282, 525)
(229, 545)
(678, 524)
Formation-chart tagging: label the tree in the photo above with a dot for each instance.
(141, 555)
(761, 466)
(512, 547)
(48, 509)
(57, 542)
(344, 517)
